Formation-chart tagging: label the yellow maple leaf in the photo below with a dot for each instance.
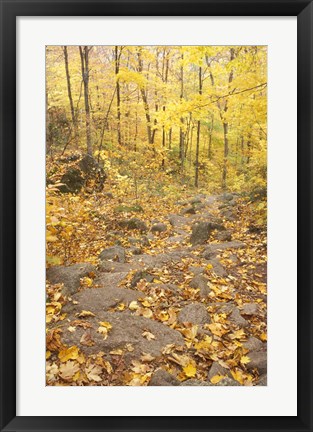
(70, 353)
(190, 370)
(245, 360)
(217, 378)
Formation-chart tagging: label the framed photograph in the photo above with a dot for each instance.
(156, 208)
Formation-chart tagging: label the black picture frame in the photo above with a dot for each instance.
(9, 11)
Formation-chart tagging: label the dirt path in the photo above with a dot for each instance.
(182, 302)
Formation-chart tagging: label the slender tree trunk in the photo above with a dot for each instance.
(144, 97)
(210, 138)
(198, 135)
(225, 129)
(69, 92)
(118, 93)
(181, 131)
(84, 57)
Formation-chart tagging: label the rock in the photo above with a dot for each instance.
(163, 378)
(227, 381)
(116, 267)
(98, 300)
(258, 360)
(114, 253)
(262, 380)
(70, 276)
(228, 214)
(133, 224)
(201, 282)
(196, 270)
(200, 233)
(194, 313)
(72, 181)
(177, 220)
(176, 239)
(237, 319)
(217, 369)
(195, 200)
(250, 309)
(223, 236)
(77, 176)
(189, 210)
(195, 383)
(218, 269)
(253, 344)
(143, 241)
(127, 330)
(157, 261)
(213, 249)
(135, 250)
(109, 280)
(139, 275)
(158, 227)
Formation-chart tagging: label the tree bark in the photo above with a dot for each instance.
(181, 130)
(118, 93)
(69, 92)
(198, 134)
(84, 57)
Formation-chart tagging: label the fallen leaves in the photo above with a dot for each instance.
(104, 329)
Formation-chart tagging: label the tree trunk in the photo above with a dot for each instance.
(210, 139)
(144, 97)
(84, 57)
(118, 93)
(225, 128)
(198, 135)
(69, 92)
(181, 131)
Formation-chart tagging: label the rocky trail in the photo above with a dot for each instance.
(175, 302)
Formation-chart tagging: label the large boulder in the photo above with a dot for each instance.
(201, 231)
(217, 369)
(194, 313)
(128, 334)
(114, 253)
(213, 249)
(70, 276)
(78, 176)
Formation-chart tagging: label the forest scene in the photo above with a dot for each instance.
(156, 215)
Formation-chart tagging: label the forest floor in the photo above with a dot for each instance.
(177, 298)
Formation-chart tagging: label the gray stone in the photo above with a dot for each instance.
(237, 319)
(200, 233)
(127, 329)
(97, 300)
(139, 275)
(177, 220)
(117, 267)
(110, 280)
(213, 249)
(70, 276)
(133, 224)
(250, 309)
(135, 250)
(163, 378)
(217, 369)
(195, 383)
(227, 381)
(262, 380)
(201, 282)
(258, 360)
(194, 313)
(223, 236)
(114, 253)
(254, 344)
(218, 269)
(189, 210)
(158, 227)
